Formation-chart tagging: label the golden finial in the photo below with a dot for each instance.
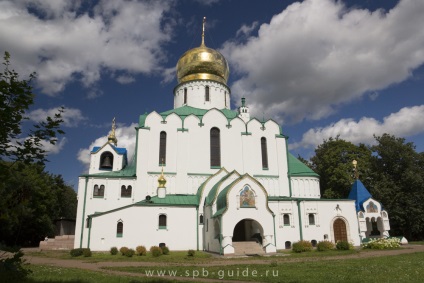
(355, 163)
(161, 179)
(112, 137)
(203, 32)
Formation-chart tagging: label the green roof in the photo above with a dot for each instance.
(213, 192)
(185, 111)
(298, 168)
(126, 172)
(170, 200)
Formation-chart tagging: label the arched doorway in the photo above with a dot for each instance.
(248, 230)
(340, 232)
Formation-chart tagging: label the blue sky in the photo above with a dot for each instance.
(321, 68)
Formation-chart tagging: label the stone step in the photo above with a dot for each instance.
(248, 248)
(64, 242)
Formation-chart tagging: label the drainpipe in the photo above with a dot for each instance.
(300, 220)
(197, 227)
(275, 234)
(90, 222)
(220, 235)
(83, 211)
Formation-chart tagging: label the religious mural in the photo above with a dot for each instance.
(247, 197)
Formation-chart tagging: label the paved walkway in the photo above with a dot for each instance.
(217, 261)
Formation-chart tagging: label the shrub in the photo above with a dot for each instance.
(381, 244)
(191, 253)
(129, 252)
(302, 246)
(11, 265)
(113, 250)
(86, 252)
(156, 251)
(123, 250)
(76, 252)
(325, 246)
(141, 250)
(165, 250)
(343, 245)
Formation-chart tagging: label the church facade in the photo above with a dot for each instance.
(206, 177)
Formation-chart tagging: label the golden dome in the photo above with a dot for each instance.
(202, 63)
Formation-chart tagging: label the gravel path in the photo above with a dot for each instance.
(217, 261)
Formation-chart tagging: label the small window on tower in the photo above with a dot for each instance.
(207, 93)
(185, 95)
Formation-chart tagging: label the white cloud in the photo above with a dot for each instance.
(71, 117)
(54, 149)
(406, 122)
(317, 55)
(125, 79)
(62, 44)
(126, 138)
(247, 30)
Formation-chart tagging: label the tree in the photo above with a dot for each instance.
(16, 96)
(333, 162)
(30, 201)
(398, 183)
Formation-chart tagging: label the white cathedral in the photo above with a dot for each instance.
(206, 177)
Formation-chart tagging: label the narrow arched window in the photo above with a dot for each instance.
(185, 95)
(215, 148)
(162, 149)
(225, 98)
(207, 98)
(286, 219)
(201, 219)
(162, 221)
(126, 191)
(119, 229)
(99, 191)
(264, 151)
(311, 218)
(87, 223)
(106, 160)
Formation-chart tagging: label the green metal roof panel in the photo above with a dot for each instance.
(128, 171)
(298, 168)
(185, 111)
(142, 120)
(171, 200)
(212, 194)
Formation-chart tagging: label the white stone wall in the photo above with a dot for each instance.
(179, 235)
(305, 187)
(219, 95)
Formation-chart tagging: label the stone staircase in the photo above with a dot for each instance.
(65, 242)
(248, 248)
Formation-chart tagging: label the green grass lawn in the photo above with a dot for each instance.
(285, 267)
(401, 268)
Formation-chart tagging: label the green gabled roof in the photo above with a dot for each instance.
(127, 172)
(213, 192)
(221, 202)
(298, 168)
(171, 200)
(285, 198)
(185, 111)
(142, 120)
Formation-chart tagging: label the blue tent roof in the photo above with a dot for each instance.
(359, 193)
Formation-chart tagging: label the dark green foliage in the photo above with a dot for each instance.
(333, 162)
(86, 253)
(302, 246)
(325, 246)
(343, 245)
(113, 250)
(191, 252)
(123, 250)
(11, 264)
(155, 251)
(129, 252)
(16, 97)
(76, 252)
(165, 250)
(141, 250)
(30, 200)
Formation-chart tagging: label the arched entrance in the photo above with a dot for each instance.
(248, 230)
(340, 232)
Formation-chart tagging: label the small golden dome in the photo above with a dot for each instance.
(202, 63)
